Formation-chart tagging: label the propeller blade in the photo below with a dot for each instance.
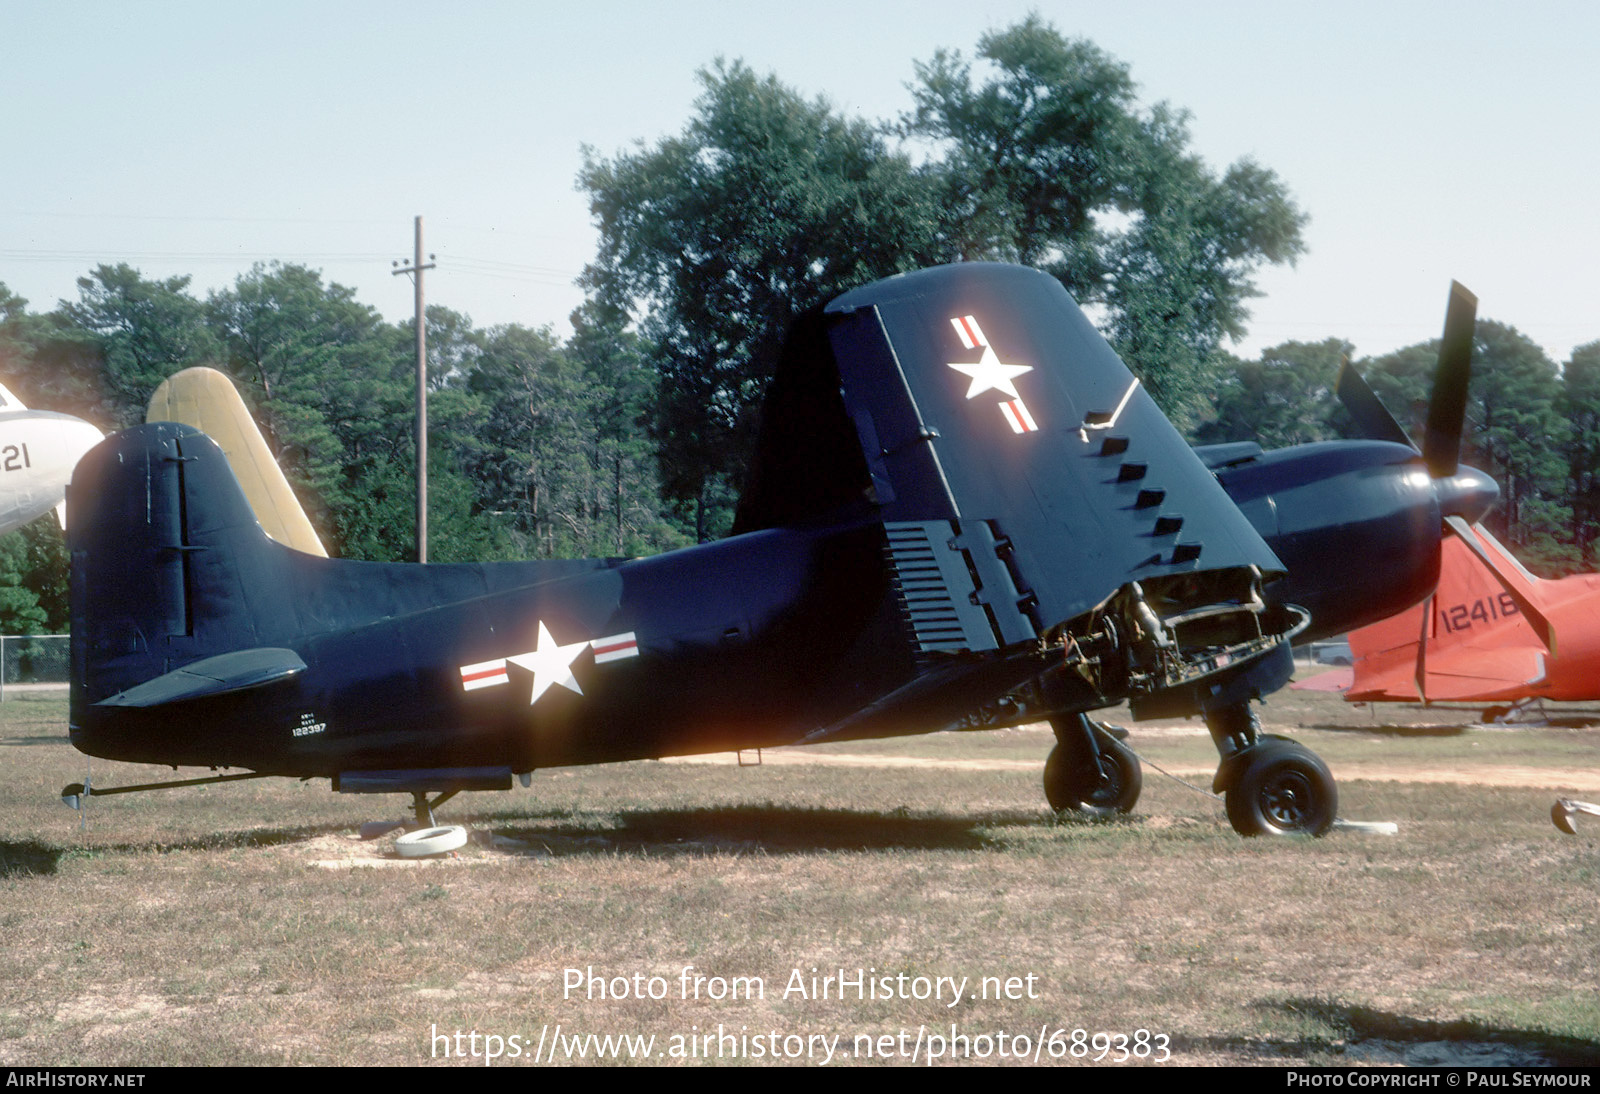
(1447, 403)
(1372, 418)
(1536, 619)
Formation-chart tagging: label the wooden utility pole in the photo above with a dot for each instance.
(416, 269)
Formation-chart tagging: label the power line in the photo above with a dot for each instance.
(494, 269)
(27, 255)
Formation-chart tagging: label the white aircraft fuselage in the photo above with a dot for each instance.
(38, 450)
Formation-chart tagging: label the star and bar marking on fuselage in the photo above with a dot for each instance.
(549, 661)
(989, 373)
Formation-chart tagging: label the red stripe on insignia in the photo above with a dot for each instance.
(963, 333)
(615, 647)
(484, 674)
(1011, 418)
(977, 332)
(1022, 414)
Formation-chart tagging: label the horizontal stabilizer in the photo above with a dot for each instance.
(219, 675)
(1461, 675)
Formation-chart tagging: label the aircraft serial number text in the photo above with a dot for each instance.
(1484, 610)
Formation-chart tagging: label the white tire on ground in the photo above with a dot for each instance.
(430, 841)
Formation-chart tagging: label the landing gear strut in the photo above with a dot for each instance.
(423, 809)
(1272, 785)
(1089, 770)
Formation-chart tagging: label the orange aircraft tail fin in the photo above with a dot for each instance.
(1469, 641)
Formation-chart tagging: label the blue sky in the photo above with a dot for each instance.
(1426, 141)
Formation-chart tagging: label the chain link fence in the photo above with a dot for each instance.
(33, 662)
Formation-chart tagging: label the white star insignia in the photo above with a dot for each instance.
(550, 664)
(988, 373)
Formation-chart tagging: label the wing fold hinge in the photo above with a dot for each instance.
(955, 587)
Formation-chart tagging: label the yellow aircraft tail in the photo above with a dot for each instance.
(205, 399)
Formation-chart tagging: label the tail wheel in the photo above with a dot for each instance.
(1284, 789)
(1072, 781)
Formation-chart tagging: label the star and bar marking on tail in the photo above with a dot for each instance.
(549, 661)
(989, 373)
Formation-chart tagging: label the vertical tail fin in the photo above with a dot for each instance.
(205, 399)
(169, 564)
(1468, 641)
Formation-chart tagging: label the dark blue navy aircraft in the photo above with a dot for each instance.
(964, 513)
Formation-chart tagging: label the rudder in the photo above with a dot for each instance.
(163, 546)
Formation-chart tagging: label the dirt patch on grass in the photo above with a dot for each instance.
(1398, 770)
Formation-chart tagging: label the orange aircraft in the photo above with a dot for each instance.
(1481, 638)
(1473, 642)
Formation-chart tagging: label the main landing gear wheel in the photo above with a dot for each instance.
(1073, 781)
(1283, 789)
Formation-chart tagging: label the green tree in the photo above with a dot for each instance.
(1051, 162)
(144, 330)
(768, 203)
(521, 439)
(49, 363)
(19, 605)
(1580, 404)
(625, 497)
(18, 338)
(1518, 435)
(765, 205)
(1285, 397)
(1033, 154)
(1403, 380)
(44, 570)
(333, 395)
(454, 345)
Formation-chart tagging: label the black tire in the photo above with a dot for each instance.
(1072, 783)
(1284, 789)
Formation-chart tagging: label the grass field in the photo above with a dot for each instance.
(245, 923)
